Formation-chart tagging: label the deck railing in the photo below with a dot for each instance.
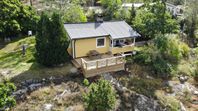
(100, 63)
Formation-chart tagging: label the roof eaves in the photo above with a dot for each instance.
(75, 38)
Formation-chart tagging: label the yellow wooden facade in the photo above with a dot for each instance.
(83, 46)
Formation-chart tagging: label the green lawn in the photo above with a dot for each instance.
(25, 67)
(11, 55)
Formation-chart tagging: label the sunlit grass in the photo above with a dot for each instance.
(11, 55)
(26, 67)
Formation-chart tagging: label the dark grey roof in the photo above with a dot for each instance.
(116, 29)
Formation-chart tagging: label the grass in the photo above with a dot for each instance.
(11, 55)
(168, 101)
(143, 86)
(188, 65)
(26, 67)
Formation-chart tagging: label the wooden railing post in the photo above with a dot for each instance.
(116, 60)
(124, 59)
(96, 64)
(86, 65)
(83, 62)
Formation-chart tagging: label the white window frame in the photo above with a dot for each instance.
(97, 42)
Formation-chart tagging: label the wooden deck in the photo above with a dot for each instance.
(106, 64)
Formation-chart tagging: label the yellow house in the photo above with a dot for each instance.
(110, 38)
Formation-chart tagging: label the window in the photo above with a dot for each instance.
(100, 42)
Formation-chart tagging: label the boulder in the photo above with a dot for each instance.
(73, 70)
(182, 108)
(33, 87)
(132, 101)
(181, 88)
(5, 72)
(143, 103)
(183, 78)
(20, 94)
(47, 107)
(195, 93)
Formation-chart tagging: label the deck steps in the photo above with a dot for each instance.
(76, 64)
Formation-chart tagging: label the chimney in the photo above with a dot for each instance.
(99, 18)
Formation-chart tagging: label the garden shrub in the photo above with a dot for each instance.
(6, 100)
(101, 96)
(163, 55)
(86, 82)
(142, 58)
(184, 49)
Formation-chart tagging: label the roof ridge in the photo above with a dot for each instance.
(96, 22)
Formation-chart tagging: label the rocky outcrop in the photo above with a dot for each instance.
(181, 88)
(131, 101)
(28, 86)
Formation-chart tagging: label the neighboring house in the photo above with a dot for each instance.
(99, 47)
(96, 6)
(129, 5)
(174, 10)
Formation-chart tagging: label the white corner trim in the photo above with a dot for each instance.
(104, 42)
(72, 43)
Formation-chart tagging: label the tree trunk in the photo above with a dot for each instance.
(31, 3)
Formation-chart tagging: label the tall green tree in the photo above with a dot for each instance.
(111, 7)
(51, 41)
(101, 96)
(153, 19)
(123, 14)
(74, 14)
(191, 21)
(6, 100)
(16, 18)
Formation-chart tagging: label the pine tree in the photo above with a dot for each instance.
(51, 41)
(41, 38)
(101, 96)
